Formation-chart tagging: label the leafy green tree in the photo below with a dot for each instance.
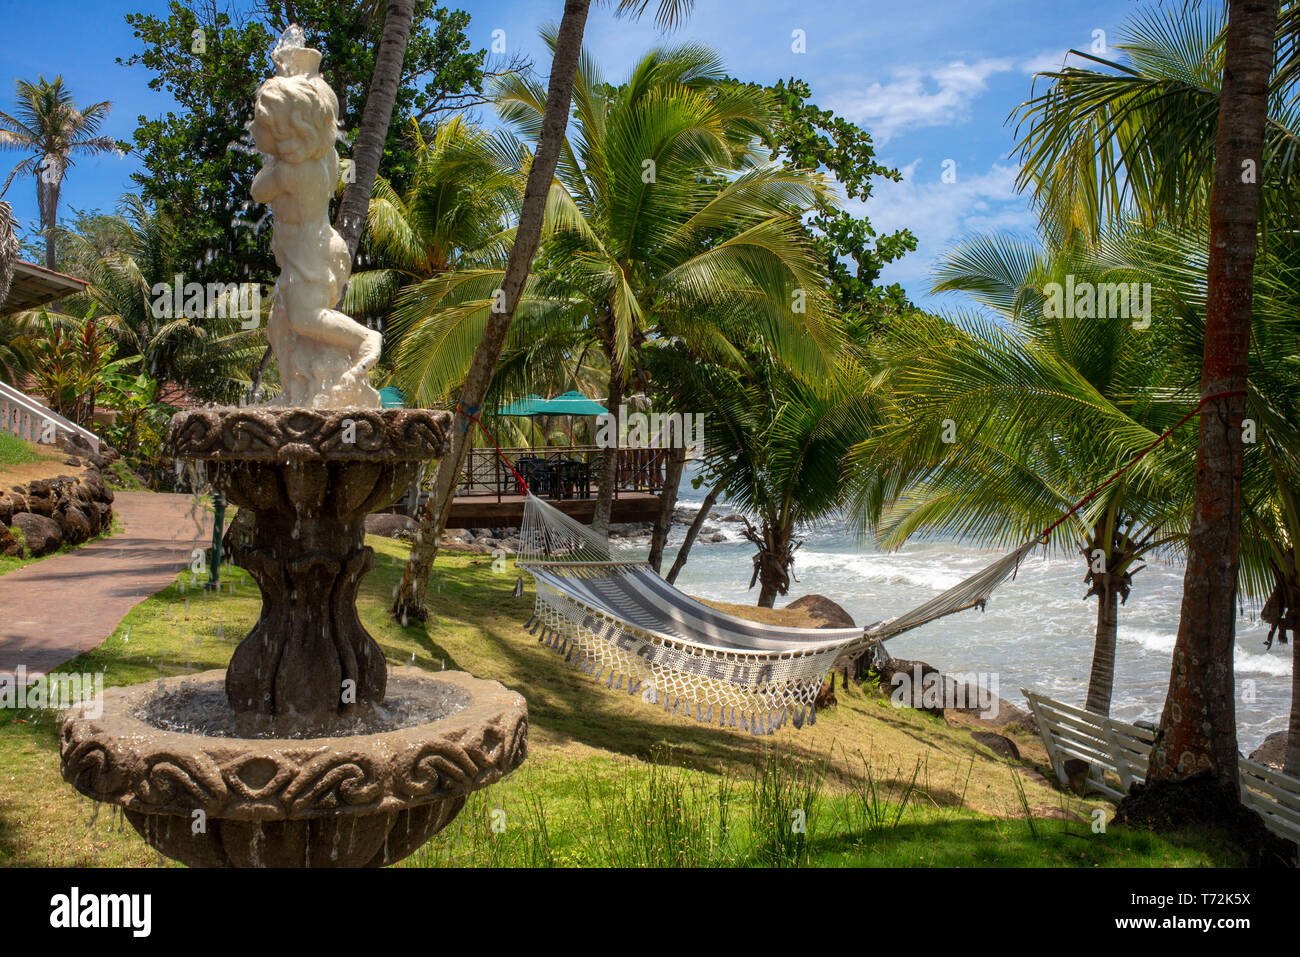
(199, 158)
(807, 137)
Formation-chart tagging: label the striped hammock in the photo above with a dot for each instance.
(620, 623)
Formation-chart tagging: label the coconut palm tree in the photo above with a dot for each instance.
(375, 118)
(642, 248)
(50, 127)
(410, 599)
(1196, 125)
(1002, 424)
(776, 443)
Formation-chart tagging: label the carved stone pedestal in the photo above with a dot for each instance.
(312, 477)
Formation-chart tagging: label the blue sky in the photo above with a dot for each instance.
(933, 80)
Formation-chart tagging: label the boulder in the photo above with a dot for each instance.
(388, 524)
(73, 523)
(826, 612)
(10, 546)
(998, 744)
(42, 534)
(899, 680)
(1272, 753)
(6, 508)
(41, 504)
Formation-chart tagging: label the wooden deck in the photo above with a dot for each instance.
(485, 511)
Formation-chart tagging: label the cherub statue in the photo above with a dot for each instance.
(325, 356)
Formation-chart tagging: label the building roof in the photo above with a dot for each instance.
(571, 403)
(35, 285)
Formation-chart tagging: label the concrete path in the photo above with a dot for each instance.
(54, 609)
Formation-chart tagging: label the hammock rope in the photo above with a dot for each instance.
(617, 620)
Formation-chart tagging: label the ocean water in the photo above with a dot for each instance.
(1036, 633)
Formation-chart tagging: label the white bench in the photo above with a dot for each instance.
(1274, 795)
(1104, 743)
(1123, 749)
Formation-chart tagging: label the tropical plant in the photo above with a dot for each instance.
(140, 427)
(207, 351)
(71, 358)
(51, 128)
(1001, 425)
(776, 443)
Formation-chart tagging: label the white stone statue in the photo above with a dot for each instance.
(324, 356)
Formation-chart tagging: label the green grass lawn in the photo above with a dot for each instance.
(16, 451)
(610, 781)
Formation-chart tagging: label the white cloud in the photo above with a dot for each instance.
(940, 213)
(1049, 61)
(915, 98)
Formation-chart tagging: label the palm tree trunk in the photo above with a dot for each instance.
(667, 502)
(1102, 680)
(610, 457)
(47, 196)
(410, 600)
(1291, 764)
(771, 563)
(375, 118)
(691, 533)
(1198, 729)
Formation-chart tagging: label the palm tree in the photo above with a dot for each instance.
(208, 355)
(1002, 424)
(633, 255)
(776, 445)
(554, 119)
(1198, 727)
(453, 217)
(410, 599)
(51, 127)
(9, 248)
(375, 118)
(1140, 138)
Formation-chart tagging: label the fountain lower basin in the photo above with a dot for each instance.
(364, 799)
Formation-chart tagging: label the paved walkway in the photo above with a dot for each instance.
(56, 608)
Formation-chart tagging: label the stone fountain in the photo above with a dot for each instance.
(306, 751)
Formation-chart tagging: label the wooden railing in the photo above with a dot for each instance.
(559, 472)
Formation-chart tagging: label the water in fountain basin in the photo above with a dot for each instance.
(202, 708)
